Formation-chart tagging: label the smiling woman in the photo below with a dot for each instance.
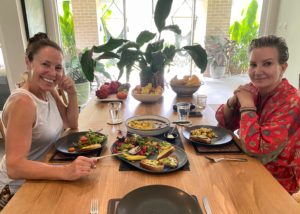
(34, 117)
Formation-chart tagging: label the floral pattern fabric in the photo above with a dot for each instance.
(272, 134)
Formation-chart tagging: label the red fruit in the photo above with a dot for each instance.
(102, 93)
(105, 87)
(114, 85)
(121, 95)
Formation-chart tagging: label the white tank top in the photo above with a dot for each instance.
(47, 129)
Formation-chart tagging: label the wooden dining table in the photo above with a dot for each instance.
(231, 187)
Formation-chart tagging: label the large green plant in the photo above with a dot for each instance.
(73, 66)
(243, 32)
(147, 53)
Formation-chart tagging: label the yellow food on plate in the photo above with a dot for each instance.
(145, 124)
(203, 135)
(148, 89)
(134, 157)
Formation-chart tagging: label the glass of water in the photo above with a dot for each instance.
(114, 109)
(183, 110)
(201, 101)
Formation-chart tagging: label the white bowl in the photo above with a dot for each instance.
(183, 90)
(146, 98)
(163, 125)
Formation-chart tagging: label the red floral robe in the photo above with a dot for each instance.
(272, 134)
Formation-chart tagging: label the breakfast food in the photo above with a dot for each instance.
(90, 141)
(146, 124)
(189, 81)
(148, 89)
(170, 161)
(165, 152)
(203, 134)
(152, 165)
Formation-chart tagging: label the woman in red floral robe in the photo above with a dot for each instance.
(267, 112)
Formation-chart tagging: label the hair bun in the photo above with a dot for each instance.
(37, 37)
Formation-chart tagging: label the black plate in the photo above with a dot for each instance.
(179, 152)
(64, 143)
(158, 199)
(223, 136)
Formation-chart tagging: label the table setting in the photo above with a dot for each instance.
(114, 184)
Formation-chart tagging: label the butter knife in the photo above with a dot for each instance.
(206, 205)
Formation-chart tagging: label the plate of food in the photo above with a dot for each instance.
(81, 142)
(207, 135)
(154, 155)
(147, 125)
(151, 198)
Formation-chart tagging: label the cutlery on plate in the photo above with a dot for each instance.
(206, 205)
(94, 206)
(216, 160)
(132, 151)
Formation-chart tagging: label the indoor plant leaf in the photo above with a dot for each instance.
(87, 64)
(109, 46)
(173, 28)
(162, 11)
(144, 36)
(199, 56)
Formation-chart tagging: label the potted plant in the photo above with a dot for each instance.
(72, 60)
(147, 53)
(218, 49)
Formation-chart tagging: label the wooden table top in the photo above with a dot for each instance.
(231, 187)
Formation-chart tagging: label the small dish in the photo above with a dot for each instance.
(170, 136)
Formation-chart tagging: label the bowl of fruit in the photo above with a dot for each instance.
(186, 86)
(147, 94)
(112, 91)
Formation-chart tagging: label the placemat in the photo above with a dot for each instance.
(61, 157)
(177, 142)
(113, 203)
(231, 147)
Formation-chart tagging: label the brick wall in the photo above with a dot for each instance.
(218, 17)
(85, 21)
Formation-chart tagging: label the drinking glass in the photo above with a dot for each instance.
(183, 110)
(201, 101)
(114, 109)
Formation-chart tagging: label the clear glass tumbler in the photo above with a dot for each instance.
(183, 110)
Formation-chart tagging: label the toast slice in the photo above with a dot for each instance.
(91, 147)
(170, 161)
(201, 138)
(165, 152)
(152, 165)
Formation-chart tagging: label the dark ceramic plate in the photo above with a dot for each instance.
(179, 152)
(64, 143)
(159, 199)
(223, 137)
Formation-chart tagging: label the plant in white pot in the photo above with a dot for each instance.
(218, 50)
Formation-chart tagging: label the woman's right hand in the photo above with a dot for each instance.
(80, 167)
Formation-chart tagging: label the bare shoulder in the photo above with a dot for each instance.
(20, 104)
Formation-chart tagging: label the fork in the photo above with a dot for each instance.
(94, 207)
(216, 160)
(134, 150)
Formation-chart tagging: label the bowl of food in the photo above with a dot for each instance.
(170, 136)
(186, 86)
(147, 125)
(147, 94)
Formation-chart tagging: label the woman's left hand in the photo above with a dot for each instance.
(246, 95)
(67, 84)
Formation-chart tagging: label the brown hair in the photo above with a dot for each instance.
(272, 41)
(37, 42)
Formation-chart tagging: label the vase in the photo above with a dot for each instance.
(83, 92)
(217, 72)
(156, 79)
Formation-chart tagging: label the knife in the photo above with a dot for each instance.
(206, 205)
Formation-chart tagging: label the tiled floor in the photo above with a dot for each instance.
(217, 91)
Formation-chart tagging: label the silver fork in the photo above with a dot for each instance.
(94, 207)
(216, 160)
(134, 150)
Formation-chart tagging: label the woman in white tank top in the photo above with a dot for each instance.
(34, 117)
